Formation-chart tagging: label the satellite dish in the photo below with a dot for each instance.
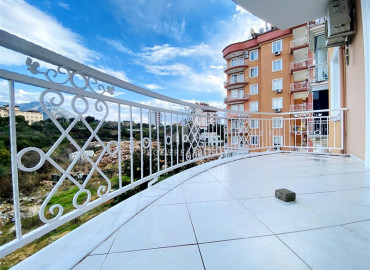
(261, 30)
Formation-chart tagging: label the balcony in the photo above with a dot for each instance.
(221, 213)
(230, 100)
(236, 68)
(297, 44)
(299, 65)
(301, 107)
(318, 73)
(298, 87)
(236, 84)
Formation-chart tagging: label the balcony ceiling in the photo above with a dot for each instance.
(285, 13)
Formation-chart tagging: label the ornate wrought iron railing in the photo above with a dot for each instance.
(104, 146)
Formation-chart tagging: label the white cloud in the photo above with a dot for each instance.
(30, 23)
(116, 44)
(64, 5)
(173, 69)
(115, 73)
(165, 52)
(153, 86)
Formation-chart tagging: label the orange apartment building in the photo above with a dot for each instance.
(277, 71)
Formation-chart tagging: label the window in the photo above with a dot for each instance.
(241, 77)
(277, 122)
(253, 72)
(254, 140)
(277, 65)
(277, 84)
(253, 89)
(234, 140)
(237, 93)
(254, 106)
(237, 107)
(253, 55)
(278, 140)
(277, 103)
(277, 46)
(234, 62)
(254, 123)
(241, 61)
(234, 78)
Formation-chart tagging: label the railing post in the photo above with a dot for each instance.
(14, 161)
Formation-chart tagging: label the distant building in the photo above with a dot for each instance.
(155, 118)
(30, 116)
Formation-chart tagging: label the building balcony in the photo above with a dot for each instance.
(318, 73)
(229, 69)
(171, 222)
(298, 87)
(299, 65)
(297, 44)
(236, 84)
(301, 107)
(229, 100)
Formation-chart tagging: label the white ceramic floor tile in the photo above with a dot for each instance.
(91, 262)
(251, 189)
(358, 195)
(175, 196)
(282, 217)
(340, 210)
(156, 226)
(221, 220)
(330, 248)
(360, 228)
(253, 254)
(179, 258)
(199, 192)
(105, 246)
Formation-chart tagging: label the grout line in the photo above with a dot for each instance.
(293, 252)
(195, 235)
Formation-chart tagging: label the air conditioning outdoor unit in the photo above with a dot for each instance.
(277, 53)
(277, 110)
(246, 54)
(339, 25)
(278, 90)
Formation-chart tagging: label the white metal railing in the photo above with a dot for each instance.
(231, 99)
(318, 73)
(301, 107)
(298, 86)
(132, 143)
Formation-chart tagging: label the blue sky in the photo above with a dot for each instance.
(168, 46)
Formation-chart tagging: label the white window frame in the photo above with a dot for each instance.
(274, 44)
(279, 100)
(234, 78)
(234, 62)
(251, 104)
(234, 107)
(277, 122)
(253, 87)
(274, 85)
(254, 140)
(278, 67)
(254, 123)
(241, 61)
(256, 72)
(255, 53)
(241, 77)
(280, 139)
(234, 140)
